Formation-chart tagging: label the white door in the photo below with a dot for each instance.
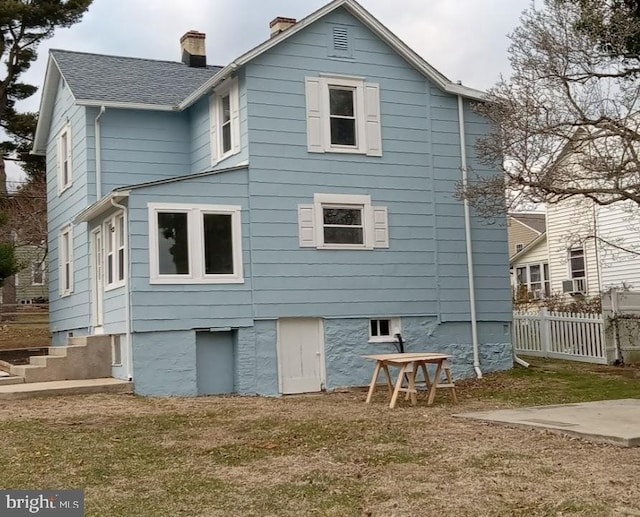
(98, 278)
(300, 355)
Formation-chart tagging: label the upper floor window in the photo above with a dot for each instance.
(38, 271)
(519, 247)
(343, 115)
(343, 221)
(577, 269)
(65, 260)
(224, 114)
(114, 250)
(64, 159)
(192, 244)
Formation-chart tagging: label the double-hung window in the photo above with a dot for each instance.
(38, 268)
(195, 244)
(65, 259)
(64, 159)
(577, 269)
(343, 115)
(114, 251)
(343, 221)
(224, 115)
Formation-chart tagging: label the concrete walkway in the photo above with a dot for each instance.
(46, 389)
(609, 421)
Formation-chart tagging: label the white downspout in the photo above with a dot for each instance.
(98, 154)
(467, 235)
(127, 288)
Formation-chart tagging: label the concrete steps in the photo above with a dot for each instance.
(87, 357)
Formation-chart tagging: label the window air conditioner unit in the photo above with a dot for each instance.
(574, 286)
(537, 294)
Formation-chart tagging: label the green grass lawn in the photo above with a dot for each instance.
(326, 454)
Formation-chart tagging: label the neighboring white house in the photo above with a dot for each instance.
(586, 249)
(529, 258)
(593, 248)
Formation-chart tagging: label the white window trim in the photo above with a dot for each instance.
(116, 349)
(196, 245)
(230, 88)
(374, 222)
(544, 280)
(344, 201)
(65, 134)
(65, 256)
(367, 114)
(110, 232)
(394, 328)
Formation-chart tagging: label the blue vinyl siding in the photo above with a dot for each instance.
(188, 306)
(424, 269)
(70, 312)
(199, 121)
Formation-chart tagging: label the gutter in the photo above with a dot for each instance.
(98, 153)
(127, 288)
(467, 234)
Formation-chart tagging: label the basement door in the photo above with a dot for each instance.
(300, 355)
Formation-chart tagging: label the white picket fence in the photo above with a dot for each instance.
(578, 337)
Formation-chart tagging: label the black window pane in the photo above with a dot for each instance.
(343, 235)
(534, 273)
(384, 327)
(226, 109)
(341, 102)
(343, 216)
(173, 244)
(343, 131)
(226, 138)
(120, 264)
(374, 327)
(110, 268)
(218, 244)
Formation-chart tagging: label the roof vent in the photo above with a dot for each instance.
(340, 39)
(193, 50)
(280, 24)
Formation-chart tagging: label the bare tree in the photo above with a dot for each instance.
(566, 124)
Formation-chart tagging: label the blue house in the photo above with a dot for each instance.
(258, 227)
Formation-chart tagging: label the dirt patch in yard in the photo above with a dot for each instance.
(318, 455)
(16, 335)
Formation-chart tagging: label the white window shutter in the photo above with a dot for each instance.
(213, 127)
(306, 226)
(373, 128)
(234, 104)
(380, 227)
(313, 91)
(60, 160)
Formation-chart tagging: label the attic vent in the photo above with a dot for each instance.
(340, 39)
(339, 42)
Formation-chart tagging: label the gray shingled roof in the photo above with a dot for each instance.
(535, 221)
(130, 80)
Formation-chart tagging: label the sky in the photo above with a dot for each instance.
(466, 40)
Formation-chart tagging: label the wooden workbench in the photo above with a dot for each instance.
(409, 364)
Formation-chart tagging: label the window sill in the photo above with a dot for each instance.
(66, 294)
(64, 189)
(113, 287)
(195, 281)
(385, 339)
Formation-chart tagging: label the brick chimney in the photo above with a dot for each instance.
(193, 51)
(280, 24)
